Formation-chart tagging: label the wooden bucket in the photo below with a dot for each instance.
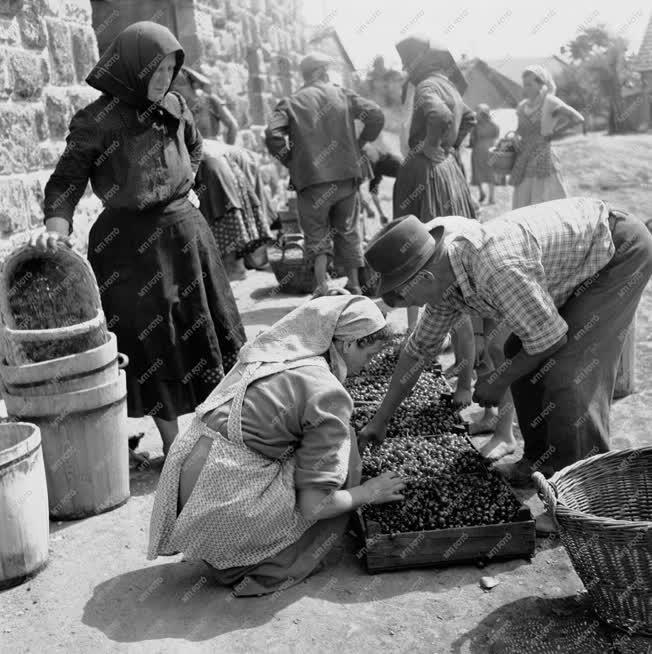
(23, 503)
(84, 446)
(65, 374)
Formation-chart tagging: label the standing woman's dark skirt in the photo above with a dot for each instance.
(428, 190)
(166, 296)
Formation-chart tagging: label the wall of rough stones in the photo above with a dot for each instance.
(46, 50)
(249, 48)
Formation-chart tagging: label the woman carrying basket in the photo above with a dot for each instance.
(261, 484)
(164, 289)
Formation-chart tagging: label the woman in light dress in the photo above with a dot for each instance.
(542, 116)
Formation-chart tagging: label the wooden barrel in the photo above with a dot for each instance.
(24, 531)
(626, 375)
(66, 374)
(84, 447)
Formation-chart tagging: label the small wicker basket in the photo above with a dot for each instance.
(502, 161)
(293, 273)
(603, 506)
(67, 320)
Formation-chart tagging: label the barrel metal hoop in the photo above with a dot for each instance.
(86, 412)
(13, 462)
(63, 379)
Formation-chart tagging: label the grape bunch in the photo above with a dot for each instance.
(448, 485)
(383, 364)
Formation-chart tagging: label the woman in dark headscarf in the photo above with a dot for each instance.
(164, 289)
(431, 182)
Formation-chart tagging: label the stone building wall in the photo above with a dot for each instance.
(46, 50)
(250, 48)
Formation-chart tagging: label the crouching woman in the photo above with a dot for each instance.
(261, 484)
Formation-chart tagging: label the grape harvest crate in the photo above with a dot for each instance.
(438, 547)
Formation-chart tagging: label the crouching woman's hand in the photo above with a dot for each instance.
(317, 504)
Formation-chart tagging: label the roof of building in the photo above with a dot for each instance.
(505, 85)
(513, 67)
(330, 32)
(644, 57)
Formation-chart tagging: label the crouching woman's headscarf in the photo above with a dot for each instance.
(297, 339)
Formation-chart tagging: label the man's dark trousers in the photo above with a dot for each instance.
(563, 406)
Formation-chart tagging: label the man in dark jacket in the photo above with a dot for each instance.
(313, 134)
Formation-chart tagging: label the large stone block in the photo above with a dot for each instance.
(32, 28)
(257, 84)
(84, 50)
(209, 49)
(204, 24)
(77, 10)
(27, 71)
(46, 7)
(22, 127)
(9, 31)
(6, 76)
(60, 48)
(218, 18)
(10, 7)
(258, 6)
(34, 199)
(58, 111)
(50, 152)
(81, 96)
(14, 210)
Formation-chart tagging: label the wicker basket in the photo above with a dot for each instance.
(603, 506)
(502, 161)
(76, 322)
(293, 273)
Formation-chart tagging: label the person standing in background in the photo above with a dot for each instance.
(483, 137)
(312, 133)
(431, 182)
(536, 175)
(209, 110)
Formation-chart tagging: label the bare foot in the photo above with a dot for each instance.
(483, 426)
(498, 447)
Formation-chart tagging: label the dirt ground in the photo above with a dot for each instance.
(99, 594)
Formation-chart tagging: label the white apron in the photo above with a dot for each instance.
(242, 509)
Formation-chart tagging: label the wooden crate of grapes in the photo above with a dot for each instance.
(455, 508)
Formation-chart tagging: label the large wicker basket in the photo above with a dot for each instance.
(293, 272)
(603, 506)
(66, 320)
(502, 161)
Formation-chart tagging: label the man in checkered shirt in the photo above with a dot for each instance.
(565, 276)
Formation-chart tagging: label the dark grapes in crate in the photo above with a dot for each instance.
(448, 485)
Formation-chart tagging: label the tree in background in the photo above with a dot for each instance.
(601, 69)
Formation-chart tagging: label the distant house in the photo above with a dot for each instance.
(328, 41)
(488, 85)
(643, 65)
(513, 67)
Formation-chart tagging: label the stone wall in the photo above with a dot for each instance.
(46, 50)
(250, 48)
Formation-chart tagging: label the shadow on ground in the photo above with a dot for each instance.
(181, 600)
(268, 292)
(533, 625)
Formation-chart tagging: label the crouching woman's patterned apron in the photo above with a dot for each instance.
(242, 510)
